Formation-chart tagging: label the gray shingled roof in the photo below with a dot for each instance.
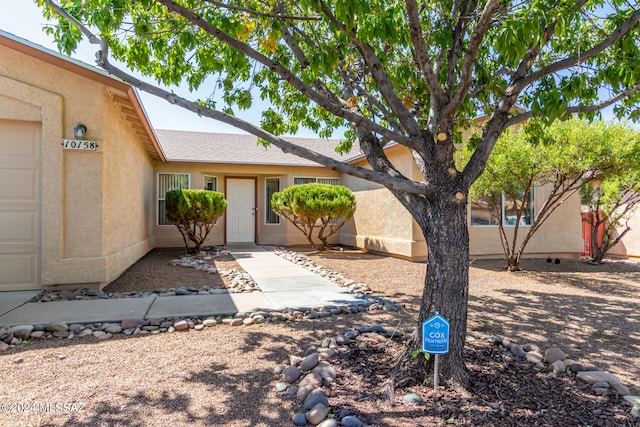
(205, 147)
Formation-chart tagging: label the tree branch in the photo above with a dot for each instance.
(580, 108)
(472, 52)
(287, 75)
(394, 183)
(422, 55)
(616, 35)
(380, 77)
(264, 14)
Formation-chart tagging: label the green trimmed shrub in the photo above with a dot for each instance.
(317, 210)
(194, 212)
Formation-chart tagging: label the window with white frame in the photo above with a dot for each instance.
(488, 211)
(169, 182)
(210, 183)
(312, 180)
(272, 185)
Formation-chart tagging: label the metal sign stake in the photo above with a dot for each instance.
(435, 375)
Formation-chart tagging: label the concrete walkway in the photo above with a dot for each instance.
(287, 285)
(282, 283)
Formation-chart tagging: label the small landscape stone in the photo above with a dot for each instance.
(247, 321)
(199, 327)
(209, 322)
(99, 334)
(115, 329)
(363, 329)
(312, 378)
(61, 334)
(517, 351)
(309, 362)
(600, 391)
(315, 397)
(351, 334)
(326, 354)
(326, 371)
(55, 327)
(182, 291)
(278, 369)
(304, 391)
(236, 322)
(601, 384)
(131, 323)
(530, 347)
(329, 423)
(632, 399)
(534, 357)
(495, 339)
(351, 421)
(181, 325)
(291, 391)
(317, 414)
(412, 398)
(104, 337)
(280, 387)
(342, 340)
(21, 331)
(557, 366)
(295, 360)
(554, 354)
(577, 367)
(378, 328)
(291, 374)
(37, 334)
(300, 420)
(3, 346)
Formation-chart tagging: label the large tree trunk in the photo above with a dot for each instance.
(444, 225)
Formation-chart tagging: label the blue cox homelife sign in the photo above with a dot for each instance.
(435, 335)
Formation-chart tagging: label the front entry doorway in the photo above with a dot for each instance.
(241, 210)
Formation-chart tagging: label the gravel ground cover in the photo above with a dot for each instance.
(224, 376)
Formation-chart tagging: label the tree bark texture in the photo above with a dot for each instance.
(444, 224)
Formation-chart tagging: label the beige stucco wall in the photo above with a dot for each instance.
(629, 246)
(382, 224)
(84, 239)
(560, 235)
(266, 234)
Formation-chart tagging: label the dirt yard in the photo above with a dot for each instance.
(223, 376)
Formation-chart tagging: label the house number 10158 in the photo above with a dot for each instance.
(79, 144)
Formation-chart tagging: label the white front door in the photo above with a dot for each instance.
(241, 210)
(20, 205)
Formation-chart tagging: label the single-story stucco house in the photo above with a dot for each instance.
(78, 210)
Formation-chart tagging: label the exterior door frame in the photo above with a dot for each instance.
(255, 204)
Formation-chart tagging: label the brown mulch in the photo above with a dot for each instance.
(223, 376)
(155, 271)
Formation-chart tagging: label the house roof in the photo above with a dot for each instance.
(124, 96)
(230, 148)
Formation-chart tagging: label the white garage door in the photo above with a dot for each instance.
(20, 206)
